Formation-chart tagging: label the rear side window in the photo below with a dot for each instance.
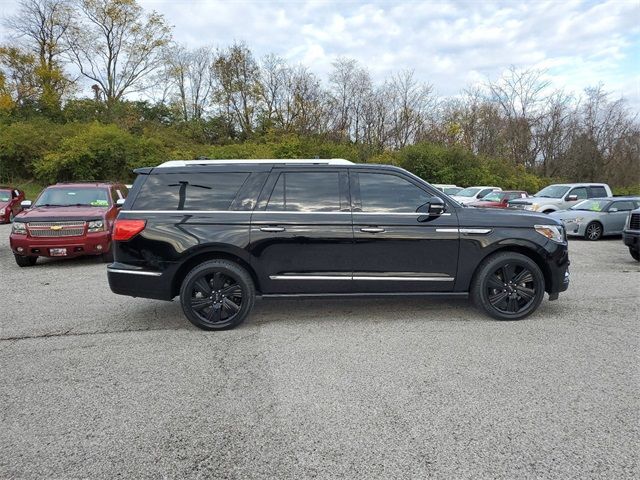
(306, 192)
(597, 192)
(623, 206)
(173, 191)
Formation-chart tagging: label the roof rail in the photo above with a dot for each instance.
(291, 161)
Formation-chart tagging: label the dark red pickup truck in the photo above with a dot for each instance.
(67, 220)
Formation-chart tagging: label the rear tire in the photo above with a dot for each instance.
(593, 231)
(635, 254)
(217, 295)
(23, 261)
(508, 286)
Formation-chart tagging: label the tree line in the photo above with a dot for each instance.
(167, 99)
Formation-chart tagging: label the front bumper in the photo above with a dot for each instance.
(88, 244)
(574, 229)
(631, 238)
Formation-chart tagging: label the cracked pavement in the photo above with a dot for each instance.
(96, 385)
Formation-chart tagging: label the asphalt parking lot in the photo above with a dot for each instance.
(96, 385)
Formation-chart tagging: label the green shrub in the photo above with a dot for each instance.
(99, 152)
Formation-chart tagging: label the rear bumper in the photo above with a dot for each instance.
(631, 238)
(89, 244)
(138, 282)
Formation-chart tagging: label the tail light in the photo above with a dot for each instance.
(124, 229)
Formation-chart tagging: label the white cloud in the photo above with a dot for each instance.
(449, 44)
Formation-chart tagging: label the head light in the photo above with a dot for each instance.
(552, 232)
(96, 226)
(533, 207)
(19, 228)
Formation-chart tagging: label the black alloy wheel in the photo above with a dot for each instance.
(508, 286)
(217, 295)
(511, 288)
(593, 231)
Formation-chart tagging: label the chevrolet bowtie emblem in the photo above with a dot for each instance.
(56, 227)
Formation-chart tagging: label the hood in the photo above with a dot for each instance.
(503, 217)
(61, 213)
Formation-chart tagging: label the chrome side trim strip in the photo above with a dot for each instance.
(135, 272)
(310, 277)
(407, 279)
(358, 277)
(480, 231)
(476, 231)
(249, 212)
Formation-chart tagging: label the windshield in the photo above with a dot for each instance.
(591, 205)
(493, 197)
(69, 196)
(552, 191)
(468, 192)
(5, 195)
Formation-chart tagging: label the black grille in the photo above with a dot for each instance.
(634, 224)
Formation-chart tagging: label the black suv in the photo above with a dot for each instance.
(220, 233)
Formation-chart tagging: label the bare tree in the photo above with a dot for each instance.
(117, 45)
(189, 73)
(237, 87)
(41, 25)
(410, 103)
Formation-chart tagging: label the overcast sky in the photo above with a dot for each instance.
(448, 44)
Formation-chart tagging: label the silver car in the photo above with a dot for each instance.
(597, 217)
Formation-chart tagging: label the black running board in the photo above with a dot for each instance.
(366, 294)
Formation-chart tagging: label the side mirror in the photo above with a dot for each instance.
(571, 198)
(434, 207)
(120, 202)
(613, 210)
(25, 204)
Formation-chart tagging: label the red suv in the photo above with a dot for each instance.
(499, 199)
(67, 220)
(10, 199)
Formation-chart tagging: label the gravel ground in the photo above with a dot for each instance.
(96, 385)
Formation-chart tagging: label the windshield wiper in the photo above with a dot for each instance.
(49, 205)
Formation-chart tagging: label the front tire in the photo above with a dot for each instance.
(217, 295)
(635, 254)
(508, 286)
(23, 261)
(593, 231)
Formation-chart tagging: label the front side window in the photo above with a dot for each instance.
(5, 195)
(580, 192)
(73, 196)
(306, 192)
(193, 191)
(390, 194)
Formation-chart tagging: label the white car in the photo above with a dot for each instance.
(561, 196)
(473, 194)
(447, 188)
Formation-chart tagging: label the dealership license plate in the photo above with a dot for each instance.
(58, 252)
